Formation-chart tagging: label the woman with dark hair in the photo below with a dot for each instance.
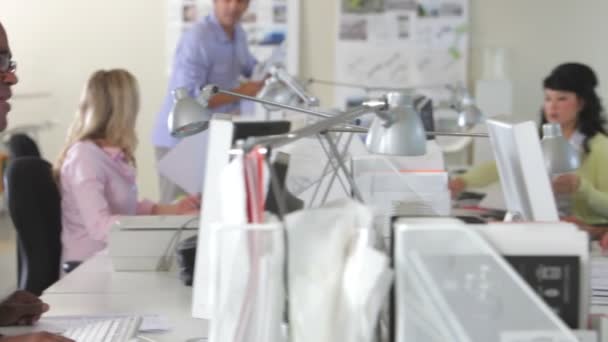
(571, 101)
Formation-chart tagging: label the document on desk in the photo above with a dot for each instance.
(599, 281)
(184, 165)
(57, 324)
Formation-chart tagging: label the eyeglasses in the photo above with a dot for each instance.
(6, 63)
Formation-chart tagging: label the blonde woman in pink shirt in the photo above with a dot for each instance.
(96, 169)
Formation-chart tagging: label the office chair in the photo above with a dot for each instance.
(21, 145)
(34, 207)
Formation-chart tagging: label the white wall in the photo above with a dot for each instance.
(539, 35)
(318, 34)
(59, 43)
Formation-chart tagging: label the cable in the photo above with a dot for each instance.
(165, 261)
(281, 199)
(144, 338)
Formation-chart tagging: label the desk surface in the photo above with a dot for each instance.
(95, 288)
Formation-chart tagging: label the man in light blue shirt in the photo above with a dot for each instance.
(213, 51)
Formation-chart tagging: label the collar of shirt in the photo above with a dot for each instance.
(220, 33)
(576, 140)
(115, 153)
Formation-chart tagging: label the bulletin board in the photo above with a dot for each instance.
(401, 43)
(267, 23)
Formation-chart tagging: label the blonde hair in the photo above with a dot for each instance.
(107, 114)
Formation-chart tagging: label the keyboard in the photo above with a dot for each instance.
(122, 329)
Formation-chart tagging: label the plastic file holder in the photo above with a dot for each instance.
(247, 283)
(452, 286)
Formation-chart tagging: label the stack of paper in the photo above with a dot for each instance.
(396, 191)
(599, 281)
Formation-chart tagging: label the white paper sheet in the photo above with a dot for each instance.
(184, 165)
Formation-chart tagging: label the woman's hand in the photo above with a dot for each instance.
(189, 205)
(604, 242)
(185, 206)
(566, 183)
(595, 232)
(456, 186)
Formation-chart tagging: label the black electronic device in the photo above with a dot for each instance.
(291, 203)
(246, 129)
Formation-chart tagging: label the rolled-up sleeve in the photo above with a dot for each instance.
(191, 63)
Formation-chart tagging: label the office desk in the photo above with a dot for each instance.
(97, 276)
(94, 288)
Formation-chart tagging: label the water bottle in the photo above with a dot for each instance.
(560, 158)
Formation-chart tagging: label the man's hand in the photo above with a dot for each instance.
(21, 308)
(36, 337)
(251, 88)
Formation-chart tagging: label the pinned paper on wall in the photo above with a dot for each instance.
(268, 23)
(400, 43)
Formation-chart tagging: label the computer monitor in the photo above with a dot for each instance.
(523, 176)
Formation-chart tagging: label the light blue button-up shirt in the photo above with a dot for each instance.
(205, 55)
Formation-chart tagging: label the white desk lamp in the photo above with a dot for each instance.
(560, 156)
(283, 88)
(469, 115)
(399, 130)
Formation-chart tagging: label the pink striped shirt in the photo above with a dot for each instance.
(97, 184)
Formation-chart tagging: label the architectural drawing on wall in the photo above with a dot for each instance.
(402, 5)
(389, 66)
(267, 23)
(362, 6)
(353, 29)
(440, 8)
(460, 33)
(444, 36)
(403, 24)
(405, 44)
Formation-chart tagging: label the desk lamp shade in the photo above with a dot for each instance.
(276, 91)
(469, 115)
(187, 116)
(399, 129)
(560, 156)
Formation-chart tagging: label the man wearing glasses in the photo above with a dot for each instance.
(20, 308)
